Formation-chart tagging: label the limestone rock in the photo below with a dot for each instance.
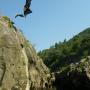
(20, 67)
(75, 77)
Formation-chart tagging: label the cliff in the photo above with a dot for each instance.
(20, 67)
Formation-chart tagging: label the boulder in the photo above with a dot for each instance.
(75, 76)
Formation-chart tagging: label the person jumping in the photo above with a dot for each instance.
(26, 9)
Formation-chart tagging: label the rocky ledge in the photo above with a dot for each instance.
(75, 76)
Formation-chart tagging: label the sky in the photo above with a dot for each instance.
(51, 21)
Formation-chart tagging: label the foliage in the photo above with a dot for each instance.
(62, 54)
(10, 23)
(6, 18)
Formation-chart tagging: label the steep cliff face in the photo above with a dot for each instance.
(20, 67)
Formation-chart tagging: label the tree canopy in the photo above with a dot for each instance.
(63, 53)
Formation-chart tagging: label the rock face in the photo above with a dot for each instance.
(20, 67)
(75, 77)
